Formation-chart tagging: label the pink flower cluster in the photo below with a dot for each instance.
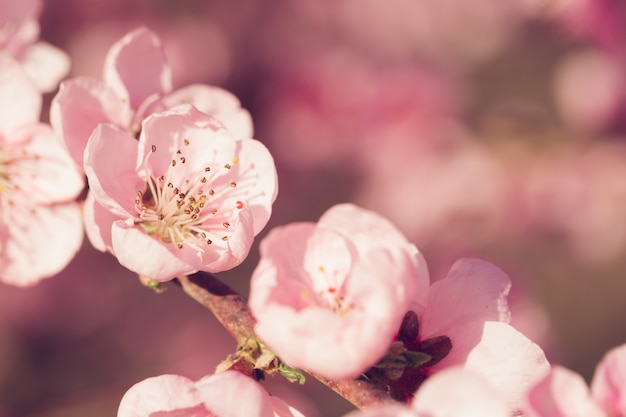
(189, 188)
(40, 226)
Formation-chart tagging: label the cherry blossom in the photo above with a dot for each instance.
(564, 393)
(19, 33)
(226, 394)
(453, 392)
(137, 81)
(40, 227)
(328, 297)
(188, 196)
(465, 323)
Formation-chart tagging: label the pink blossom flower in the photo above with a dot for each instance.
(19, 33)
(329, 297)
(137, 81)
(188, 196)
(453, 392)
(226, 394)
(469, 309)
(40, 226)
(564, 393)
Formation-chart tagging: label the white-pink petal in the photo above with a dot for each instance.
(232, 394)
(145, 255)
(39, 242)
(79, 106)
(608, 386)
(162, 394)
(459, 393)
(110, 166)
(215, 101)
(20, 100)
(562, 393)
(473, 291)
(46, 65)
(44, 172)
(136, 67)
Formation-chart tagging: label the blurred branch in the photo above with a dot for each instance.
(231, 309)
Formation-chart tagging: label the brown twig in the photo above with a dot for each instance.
(231, 310)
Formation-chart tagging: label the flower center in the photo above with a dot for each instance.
(181, 212)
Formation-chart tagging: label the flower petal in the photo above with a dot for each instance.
(233, 394)
(473, 291)
(136, 67)
(145, 255)
(39, 242)
(608, 386)
(369, 230)
(79, 106)
(20, 100)
(504, 357)
(458, 392)
(562, 393)
(215, 101)
(110, 165)
(160, 394)
(45, 64)
(98, 223)
(45, 173)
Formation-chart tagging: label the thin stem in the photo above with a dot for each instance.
(231, 310)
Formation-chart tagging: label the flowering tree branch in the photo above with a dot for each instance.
(232, 311)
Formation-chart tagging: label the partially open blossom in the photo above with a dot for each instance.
(564, 393)
(187, 196)
(328, 297)
(468, 308)
(454, 392)
(226, 394)
(40, 226)
(137, 81)
(45, 64)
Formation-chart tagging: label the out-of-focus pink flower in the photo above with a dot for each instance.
(19, 33)
(40, 226)
(328, 297)
(590, 90)
(452, 392)
(137, 81)
(469, 308)
(564, 393)
(188, 196)
(226, 394)
(608, 386)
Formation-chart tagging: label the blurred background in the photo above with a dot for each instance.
(485, 128)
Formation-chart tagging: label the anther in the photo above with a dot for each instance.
(153, 148)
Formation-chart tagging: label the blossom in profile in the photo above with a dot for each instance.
(45, 64)
(187, 196)
(465, 323)
(329, 296)
(564, 393)
(137, 82)
(40, 225)
(453, 392)
(225, 394)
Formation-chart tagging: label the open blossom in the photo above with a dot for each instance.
(137, 81)
(564, 393)
(465, 323)
(454, 392)
(187, 196)
(45, 64)
(328, 297)
(226, 394)
(40, 226)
